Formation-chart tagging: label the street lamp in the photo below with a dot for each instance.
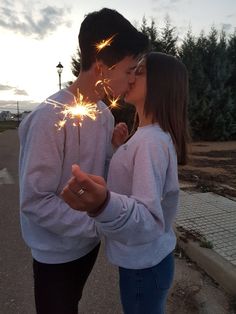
(59, 71)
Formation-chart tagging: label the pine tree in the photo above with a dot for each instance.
(152, 33)
(190, 53)
(219, 95)
(168, 40)
(231, 55)
(75, 63)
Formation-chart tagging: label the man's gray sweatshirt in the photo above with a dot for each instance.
(55, 232)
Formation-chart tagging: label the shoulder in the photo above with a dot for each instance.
(49, 112)
(153, 136)
(105, 113)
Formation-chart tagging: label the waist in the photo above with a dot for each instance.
(141, 256)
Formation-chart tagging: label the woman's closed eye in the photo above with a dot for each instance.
(140, 70)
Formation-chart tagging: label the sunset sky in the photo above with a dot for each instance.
(36, 35)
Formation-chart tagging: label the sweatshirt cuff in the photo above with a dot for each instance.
(101, 208)
(111, 210)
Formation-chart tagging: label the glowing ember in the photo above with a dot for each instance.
(78, 109)
(114, 102)
(104, 43)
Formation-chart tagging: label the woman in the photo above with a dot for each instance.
(136, 214)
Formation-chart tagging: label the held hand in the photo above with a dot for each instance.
(120, 134)
(84, 192)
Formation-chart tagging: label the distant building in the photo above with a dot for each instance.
(5, 116)
(8, 116)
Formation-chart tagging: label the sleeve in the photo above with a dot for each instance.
(138, 219)
(110, 150)
(41, 169)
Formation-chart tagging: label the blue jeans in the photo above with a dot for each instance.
(144, 291)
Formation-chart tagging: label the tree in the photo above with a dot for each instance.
(231, 55)
(75, 63)
(217, 71)
(152, 33)
(191, 54)
(168, 41)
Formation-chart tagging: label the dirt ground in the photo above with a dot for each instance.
(194, 292)
(211, 167)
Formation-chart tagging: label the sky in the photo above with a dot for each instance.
(37, 34)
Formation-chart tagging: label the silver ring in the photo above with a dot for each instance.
(80, 192)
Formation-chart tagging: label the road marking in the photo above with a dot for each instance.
(5, 177)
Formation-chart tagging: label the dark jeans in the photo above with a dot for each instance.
(58, 287)
(144, 291)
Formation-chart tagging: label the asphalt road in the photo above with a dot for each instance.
(16, 285)
(192, 292)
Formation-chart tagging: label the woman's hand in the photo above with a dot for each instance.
(120, 134)
(85, 192)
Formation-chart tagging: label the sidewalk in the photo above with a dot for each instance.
(211, 219)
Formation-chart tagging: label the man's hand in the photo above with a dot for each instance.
(84, 192)
(120, 134)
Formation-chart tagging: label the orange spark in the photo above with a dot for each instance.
(104, 43)
(78, 109)
(114, 102)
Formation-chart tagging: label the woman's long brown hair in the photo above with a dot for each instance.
(167, 98)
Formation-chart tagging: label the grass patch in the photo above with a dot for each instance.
(8, 125)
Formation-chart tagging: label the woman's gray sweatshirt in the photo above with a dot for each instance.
(143, 178)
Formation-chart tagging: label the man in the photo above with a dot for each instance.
(65, 243)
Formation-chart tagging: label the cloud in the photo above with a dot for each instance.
(38, 24)
(5, 87)
(15, 90)
(162, 7)
(226, 26)
(20, 92)
(230, 16)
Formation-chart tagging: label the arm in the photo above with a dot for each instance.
(132, 220)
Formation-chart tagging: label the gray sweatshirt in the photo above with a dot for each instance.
(143, 178)
(55, 232)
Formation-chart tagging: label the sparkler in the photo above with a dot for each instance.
(104, 43)
(80, 108)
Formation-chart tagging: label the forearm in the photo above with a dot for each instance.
(126, 220)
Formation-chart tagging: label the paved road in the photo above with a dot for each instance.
(15, 263)
(101, 294)
(16, 285)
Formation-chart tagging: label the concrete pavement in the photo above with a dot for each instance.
(210, 219)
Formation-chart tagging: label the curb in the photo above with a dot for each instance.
(222, 271)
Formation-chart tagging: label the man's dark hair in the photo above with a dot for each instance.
(103, 24)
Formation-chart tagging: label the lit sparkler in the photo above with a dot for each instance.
(78, 109)
(81, 108)
(104, 43)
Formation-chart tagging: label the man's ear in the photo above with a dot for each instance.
(99, 68)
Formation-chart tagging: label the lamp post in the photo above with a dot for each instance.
(59, 71)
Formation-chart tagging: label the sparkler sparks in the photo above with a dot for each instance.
(114, 102)
(108, 91)
(104, 43)
(81, 108)
(78, 109)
